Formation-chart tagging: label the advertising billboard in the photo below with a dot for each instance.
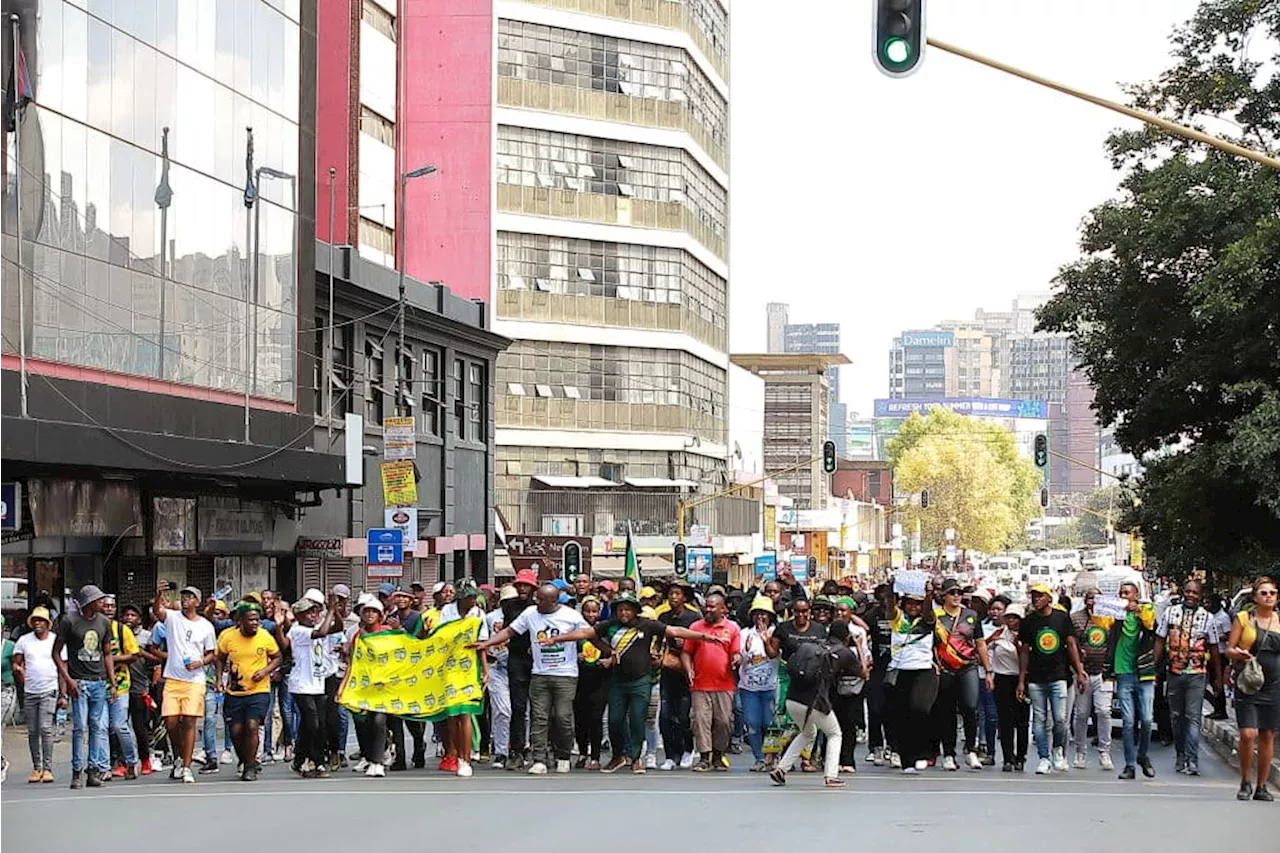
(928, 338)
(978, 406)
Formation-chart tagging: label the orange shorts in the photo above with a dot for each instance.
(183, 698)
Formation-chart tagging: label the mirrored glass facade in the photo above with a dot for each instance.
(139, 249)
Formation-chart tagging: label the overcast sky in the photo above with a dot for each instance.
(895, 204)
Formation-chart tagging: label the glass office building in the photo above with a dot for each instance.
(132, 168)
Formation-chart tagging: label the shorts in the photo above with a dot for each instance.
(242, 709)
(183, 698)
(1250, 715)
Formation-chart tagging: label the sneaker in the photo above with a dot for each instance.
(321, 772)
(464, 769)
(1045, 767)
(910, 771)
(651, 762)
(449, 764)
(208, 769)
(499, 762)
(1007, 768)
(77, 781)
(379, 770)
(361, 766)
(118, 771)
(949, 763)
(1081, 761)
(1020, 766)
(36, 777)
(1127, 772)
(146, 767)
(667, 765)
(778, 776)
(989, 760)
(686, 761)
(249, 774)
(131, 772)
(1180, 766)
(1193, 769)
(93, 779)
(1060, 760)
(975, 763)
(198, 754)
(638, 767)
(759, 767)
(1245, 792)
(46, 777)
(187, 777)
(1263, 795)
(895, 761)
(922, 765)
(1104, 761)
(537, 769)
(1147, 769)
(877, 756)
(614, 764)
(176, 773)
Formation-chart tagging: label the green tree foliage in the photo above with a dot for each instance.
(1174, 305)
(977, 481)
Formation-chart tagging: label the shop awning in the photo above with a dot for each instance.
(613, 567)
(557, 482)
(659, 483)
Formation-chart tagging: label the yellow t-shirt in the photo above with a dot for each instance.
(245, 656)
(124, 643)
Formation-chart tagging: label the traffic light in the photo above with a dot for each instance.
(680, 560)
(1042, 450)
(899, 36)
(1044, 498)
(924, 498)
(829, 457)
(572, 561)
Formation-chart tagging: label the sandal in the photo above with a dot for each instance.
(702, 766)
(833, 782)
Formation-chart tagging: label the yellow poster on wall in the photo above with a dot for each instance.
(428, 679)
(770, 526)
(398, 485)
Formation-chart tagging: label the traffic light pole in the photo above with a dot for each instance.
(1151, 119)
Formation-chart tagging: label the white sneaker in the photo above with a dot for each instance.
(227, 757)
(1081, 762)
(475, 755)
(464, 769)
(1104, 761)
(562, 765)
(198, 754)
(362, 766)
(538, 769)
(877, 756)
(975, 763)
(380, 770)
(949, 763)
(909, 771)
(651, 762)
(370, 770)
(922, 765)
(686, 761)
(667, 765)
(187, 778)
(1060, 760)
(1044, 767)
(895, 761)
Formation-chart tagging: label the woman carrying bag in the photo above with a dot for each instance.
(1254, 645)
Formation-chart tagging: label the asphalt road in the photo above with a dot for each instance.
(737, 811)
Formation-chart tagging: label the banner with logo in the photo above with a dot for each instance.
(427, 680)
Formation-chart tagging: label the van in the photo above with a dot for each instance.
(1042, 571)
(13, 595)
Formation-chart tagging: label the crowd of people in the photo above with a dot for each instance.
(954, 677)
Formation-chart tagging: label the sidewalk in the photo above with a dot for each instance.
(1224, 738)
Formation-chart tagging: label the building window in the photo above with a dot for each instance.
(381, 129)
(429, 417)
(459, 399)
(342, 376)
(374, 392)
(378, 18)
(404, 386)
(475, 379)
(376, 236)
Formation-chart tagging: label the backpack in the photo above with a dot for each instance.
(812, 662)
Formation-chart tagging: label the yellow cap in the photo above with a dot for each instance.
(647, 592)
(1040, 587)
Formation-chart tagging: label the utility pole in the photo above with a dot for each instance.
(400, 247)
(326, 363)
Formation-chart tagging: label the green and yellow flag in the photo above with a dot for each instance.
(427, 680)
(631, 566)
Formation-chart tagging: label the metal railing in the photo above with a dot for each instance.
(605, 512)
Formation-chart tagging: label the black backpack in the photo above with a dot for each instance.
(813, 662)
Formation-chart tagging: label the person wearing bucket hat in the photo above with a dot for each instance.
(456, 730)
(911, 682)
(192, 645)
(307, 639)
(758, 675)
(35, 671)
(371, 727)
(87, 671)
(959, 647)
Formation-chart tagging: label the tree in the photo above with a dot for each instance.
(977, 481)
(1106, 505)
(1173, 307)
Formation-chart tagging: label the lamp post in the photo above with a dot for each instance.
(257, 208)
(400, 247)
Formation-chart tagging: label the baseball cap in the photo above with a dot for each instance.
(302, 605)
(560, 583)
(220, 606)
(1041, 588)
(190, 590)
(417, 587)
(368, 600)
(386, 589)
(648, 592)
(315, 595)
(1016, 610)
(255, 597)
(438, 588)
(528, 576)
(342, 590)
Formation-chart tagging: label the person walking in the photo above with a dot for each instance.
(247, 655)
(87, 671)
(1256, 637)
(1131, 663)
(191, 646)
(1095, 701)
(959, 648)
(758, 676)
(307, 639)
(911, 681)
(1013, 715)
(1187, 636)
(37, 674)
(710, 667)
(1048, 654)
(499, 693)
(676, 701)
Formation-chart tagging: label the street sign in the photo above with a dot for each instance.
(404, 519)
(700, 559)
(386, 548)
(699, 534)
(10, 506)
(398, 439)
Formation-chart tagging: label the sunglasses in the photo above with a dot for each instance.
(1266, 592)
(952, 592)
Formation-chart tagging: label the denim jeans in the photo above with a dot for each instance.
(758, 708)
(118, 715)
(1137, 705)
(209, 728)
(1048, 701)
(628, 703)
(1186, 711)
(988, 717)
(40, 710)
(1095, 702)
(89, 713)
(551, 717)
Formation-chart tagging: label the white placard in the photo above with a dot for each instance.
(909, 583)
(1110, 605)
(1109, 586)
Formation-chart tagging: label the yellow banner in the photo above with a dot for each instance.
(427, 679)
(398, 486)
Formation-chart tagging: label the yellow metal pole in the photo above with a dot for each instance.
(1075, 461)
(1154, 120)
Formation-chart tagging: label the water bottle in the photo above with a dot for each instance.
(222, 593)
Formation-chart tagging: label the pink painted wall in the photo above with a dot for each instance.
(335, 64)
(446, 112)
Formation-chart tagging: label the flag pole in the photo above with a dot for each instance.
(19, 110)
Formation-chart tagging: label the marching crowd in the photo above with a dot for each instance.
(954, 677)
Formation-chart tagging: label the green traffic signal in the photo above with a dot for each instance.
(829, 457)
(1042, 450)
(899, 35)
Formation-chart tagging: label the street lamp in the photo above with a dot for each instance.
(252, 318)
(422, 171)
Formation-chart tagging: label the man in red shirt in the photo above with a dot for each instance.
(710, 669)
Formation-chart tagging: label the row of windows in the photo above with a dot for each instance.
(541, 158)
(378, 18)
(710, 17)
(612, 374)
(381, 129)
(607, 64)
(615, 270)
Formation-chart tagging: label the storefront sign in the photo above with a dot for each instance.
(320, 547)
(230, 525)
(398, 485)
(398, 439)
(84, 508)
(10, 506)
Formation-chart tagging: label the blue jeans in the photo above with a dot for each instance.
(1048, 700)
(1186, 712)
(757, 710)
(89, 712)
(988, 716)
(280, 693)
(118, 714)
(1137, 705)
(209, 731)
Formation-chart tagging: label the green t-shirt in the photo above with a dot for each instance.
(6, 661)
(1127, 645)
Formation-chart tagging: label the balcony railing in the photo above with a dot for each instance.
(605, 512)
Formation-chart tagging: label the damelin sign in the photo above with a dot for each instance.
(928, 339)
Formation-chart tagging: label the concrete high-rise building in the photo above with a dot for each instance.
(777, 315)
(918, 364)
(1042, 367)
(822, 338)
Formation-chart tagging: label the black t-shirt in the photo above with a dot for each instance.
(633, 644)
(1046, 636)
(790, 637)
(518, 646)
(86, 641)
(881, 635)
(682, 618)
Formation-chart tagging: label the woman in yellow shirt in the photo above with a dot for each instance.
(1257, 636)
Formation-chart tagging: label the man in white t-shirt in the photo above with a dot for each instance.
(192, 645)
(555, 630)
(34, 669)
(309, 640)
(456, 731)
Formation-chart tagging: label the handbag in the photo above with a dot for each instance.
(671, 660)
(1251, 678)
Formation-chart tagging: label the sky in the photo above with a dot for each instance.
(891, 204)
